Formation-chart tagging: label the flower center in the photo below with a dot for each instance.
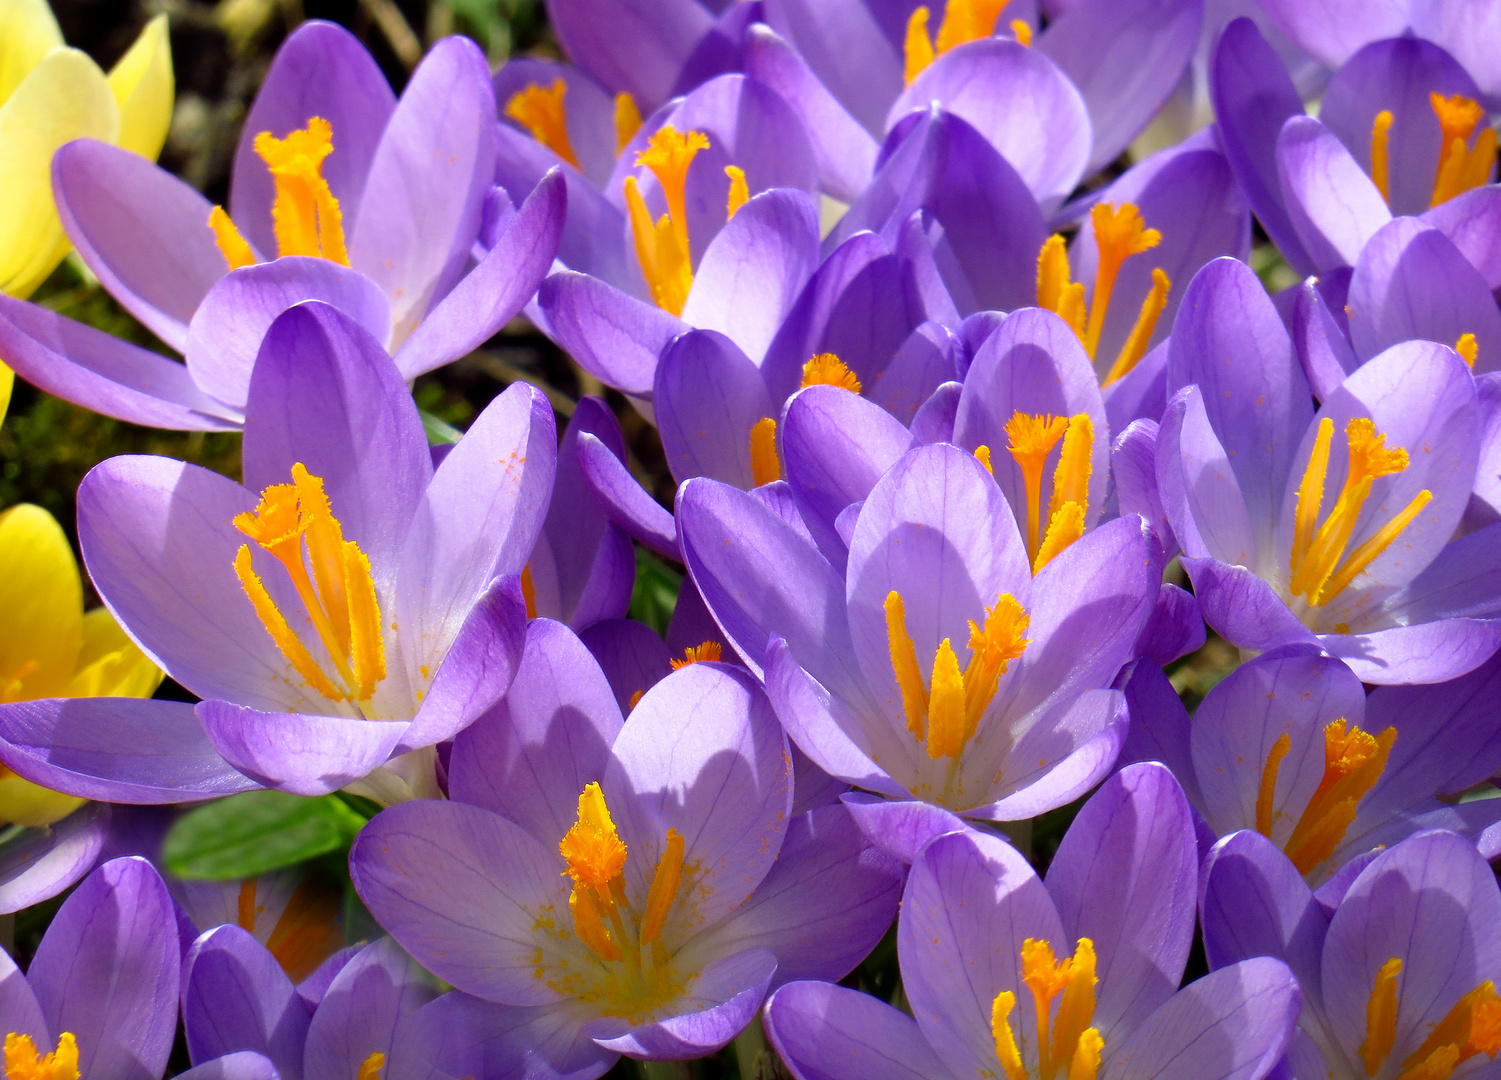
(628, 945)
(1315, 567)
(963, 20)
(1073, 1050)
(1471, 1027)
(305, 214)
(1460, 165)
(823, 369)
(1119, 233)
(1032, 438)
(947, 711)
(1353, 761)
(541, 112)
(23, 1063)
(826, 369)
(294, 524)
(698, 654)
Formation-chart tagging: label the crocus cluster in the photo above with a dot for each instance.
(978, 423)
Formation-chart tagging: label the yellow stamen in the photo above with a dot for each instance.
(662, 246)
(1315, 555)
(668, 155)
(766, 466)
(1459, 167)
(305, 214)
(739, 194)
(590, 926)
(963, 21)
(1065, 525)
(635, 699)
(1056, 291)
(627, 121)
(232, 245)
(1141, 331)
(23, 1063)
(1022, 31)
(529, 591)
(1005, 1039)
(1472, 1027)
(294, 524)
(1381, 1017)
(371, 1066)
(918, 47)
(992, 648)
(946, 728)
(696, 654)
(308, 931)
(1119, 233)
(982, 455)
(664, 888)
(1086, 1063)
(1071, 477)
(1031, 439)
(828, 369)
(1468, 348)
(1380, 158)
(542, 113)
(592, 848)
(1353, 762)
(903, 653)
(1266, 794)
(1074, 978)
(245, 908)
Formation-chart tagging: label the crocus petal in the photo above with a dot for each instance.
(1175, 627)
(631, 45)
(1075, 746)
(899, 828)
(631, 654)
(530, 756)
(702, 753)
(237, 998)
(1333, 204)
(1429, 652)
(461, 889)
(825, 904)
(627, 504)
(926, 360)
(1023, 103)
(1242, 607)
(325, 394)
(364, 1010)
(589, 118)
(18, 1006)
(103, 373)
(1125, 876)
(1334, 30)
(1159, 726)
(1253, 96)
(144, 233)
(827, 1032)
(491, 294)
(1200, 491)
(124, 750)
(241, 1065)
(479, 518)
(1233, 1024)
(1323, 348)
(708, 395)
(459, 1035)
(142, 83)
(1411, 282)
(615, 336)
(40, 863)
(1470, 220)
(1461, 582)
(320, 70)
(107, 971)
(31, 32)
(427, 182)
(295, 752)
(850, 47)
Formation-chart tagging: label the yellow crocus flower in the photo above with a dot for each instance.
(50, 95)
(51, 647)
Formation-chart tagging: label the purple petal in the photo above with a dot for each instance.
(1233, 1024)
(236, 997)
(631, 45)
(825, 904)
(295, 752)
(632, 655)
(241, 1065)
(364, 1010)
(899, 828)
(625, 502)
(122, 750)
(1075, 747)
(40, 863)
(849, 49)
(320, 70)
(141, 230)
(1126, 877)
(1323, 348)
(1470, 221)
(1333, 204)
(103, 373)
(1133, 462)
(1332, 31)
(826, 1032)
(461, 889)
(926, 360)
(615, 336)
(1159, 726)
(1427, 653)
(1200, 492)
(1411, 282)
(1243, 608)
(1175, 627)
(427, 182)
(491, 294)
(107, 971)
(459, 1035)
(19, 1011)
(708, 395)
(530, 756)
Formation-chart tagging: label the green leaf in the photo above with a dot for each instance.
(656, 592)
(257, 832)
(438, 431)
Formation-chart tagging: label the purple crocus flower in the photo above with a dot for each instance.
(1397, 963)
(100, 997)
(862, 666)
(599, 887)
(363, 1024)
(373, 204)
(407, 627)
(1290, 745)
(1073, 976)
(1331, 527)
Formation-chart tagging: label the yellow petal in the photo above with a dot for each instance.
(28, 32)
(25, 803)
(7, 378)
(143, 87)
(65, 97)
(42, 598)
(110, 664)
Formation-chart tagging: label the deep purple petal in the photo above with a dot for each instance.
(1242, 607)
(625, 502)
(1322, 345)
(827, 1032)
(295, 752)
(236, 997)
(632, 655)
(458, 1035)
(1470, 220)
(364, 1010)
(631, 45)
(708, 396)
(615, 336)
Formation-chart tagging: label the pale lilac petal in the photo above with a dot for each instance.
(40, 863)
(1429, 652)
(1323, 347)
(630, 45)
(240, 1065)
(1334, 205)
(850, 48)
(295, 752)
(458, 1035)
(1333, 30)
(1243, 608)
(364, 1010)
(899, 828)
(1075, 747)
(1470, 220)
(707, 397)
(827, 1032)
(625, 502)
(615, 336)
(1200, 492)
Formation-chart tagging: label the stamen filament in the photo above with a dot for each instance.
(903, 653)
(1031, 439)
(1472, 1026)
(1460, 168)
(371, 1066)
(1380, 161)
(1141, 331)
(1353, 762)
(1267, 792)
(766, 464)
(232, 245)
(1005, 1039)
(1381, 1017)
(946, 712)
(664, 888)
(739, 194)
(1119, 233)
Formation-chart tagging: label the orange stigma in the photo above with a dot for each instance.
(826, 369)
(662, 246)
(698, 654)
(1472, 1027)
(541, 112)
(627, 121)
(1461, 167)
(766, 465)
(1067, 1045)
(1032, 439)
(963, 21)
(23, 1063)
